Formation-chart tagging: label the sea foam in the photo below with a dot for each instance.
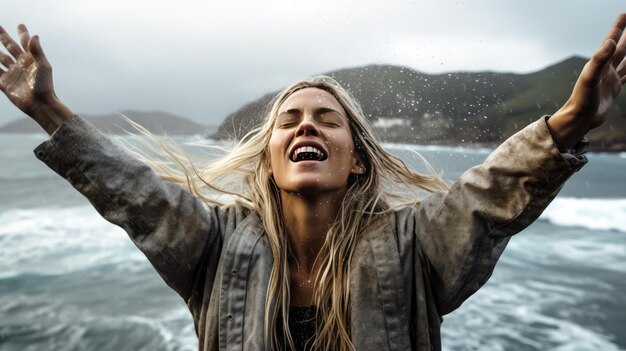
(57, 241)
(597, 214)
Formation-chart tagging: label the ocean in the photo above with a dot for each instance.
(69, 280)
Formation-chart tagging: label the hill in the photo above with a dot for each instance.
(157, 122)
(459, 108)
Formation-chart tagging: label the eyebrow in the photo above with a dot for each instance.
(318, 111)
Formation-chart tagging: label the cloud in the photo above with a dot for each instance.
(204, 59)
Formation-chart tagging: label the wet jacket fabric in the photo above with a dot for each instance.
(411, 267)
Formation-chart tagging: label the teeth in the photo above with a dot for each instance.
(306, 149)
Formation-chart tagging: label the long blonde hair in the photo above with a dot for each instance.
(243, 174)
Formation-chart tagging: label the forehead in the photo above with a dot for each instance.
(311, 98)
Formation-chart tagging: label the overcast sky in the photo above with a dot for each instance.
(204, 59)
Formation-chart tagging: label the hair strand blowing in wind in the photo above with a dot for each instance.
(244, 175)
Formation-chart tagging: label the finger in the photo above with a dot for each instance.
(34, 47)
(12, 47)
(620, 51)
(593, 69)
(6, 60)
(618, 27)
(24, 36)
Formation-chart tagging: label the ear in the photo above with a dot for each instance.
(359, 165)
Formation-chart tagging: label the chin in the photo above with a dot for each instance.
(312, 187)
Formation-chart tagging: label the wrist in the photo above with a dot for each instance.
(567, 127)
(50, 114)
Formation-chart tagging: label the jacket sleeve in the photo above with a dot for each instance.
(462, 233)
(172, 228)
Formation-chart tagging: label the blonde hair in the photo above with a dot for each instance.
(243, 174)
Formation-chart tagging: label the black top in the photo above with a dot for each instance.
(302, 325)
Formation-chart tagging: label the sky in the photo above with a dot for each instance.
(205, 59)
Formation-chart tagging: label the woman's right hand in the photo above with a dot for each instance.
(27, 80)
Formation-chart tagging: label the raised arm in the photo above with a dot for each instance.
(459, 235)
(177, 233)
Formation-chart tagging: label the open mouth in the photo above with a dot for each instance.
(308, 153)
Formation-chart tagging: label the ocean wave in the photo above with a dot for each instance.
(438, 148)
(515, 314)
(597, 214)
(59, 241)
(203, 141)
(52, 325)
(511, 312)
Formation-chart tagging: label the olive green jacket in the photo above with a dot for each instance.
(410, 268)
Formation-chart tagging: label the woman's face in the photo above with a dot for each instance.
(311, 147)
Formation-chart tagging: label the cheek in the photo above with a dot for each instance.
(275, 154)
(343, 144)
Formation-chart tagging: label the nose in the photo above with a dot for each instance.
(307, 127)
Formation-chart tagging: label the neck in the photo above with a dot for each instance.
(307, 220)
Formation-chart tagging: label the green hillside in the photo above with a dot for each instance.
(459, 108)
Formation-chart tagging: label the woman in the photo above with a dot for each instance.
(327, 220)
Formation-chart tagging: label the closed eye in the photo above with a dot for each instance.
(331, 119)
(331, 124)
(286, 122)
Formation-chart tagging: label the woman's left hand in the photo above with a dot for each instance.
(595, 91)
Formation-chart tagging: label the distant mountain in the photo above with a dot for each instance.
(157, 122)
(460, 108)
